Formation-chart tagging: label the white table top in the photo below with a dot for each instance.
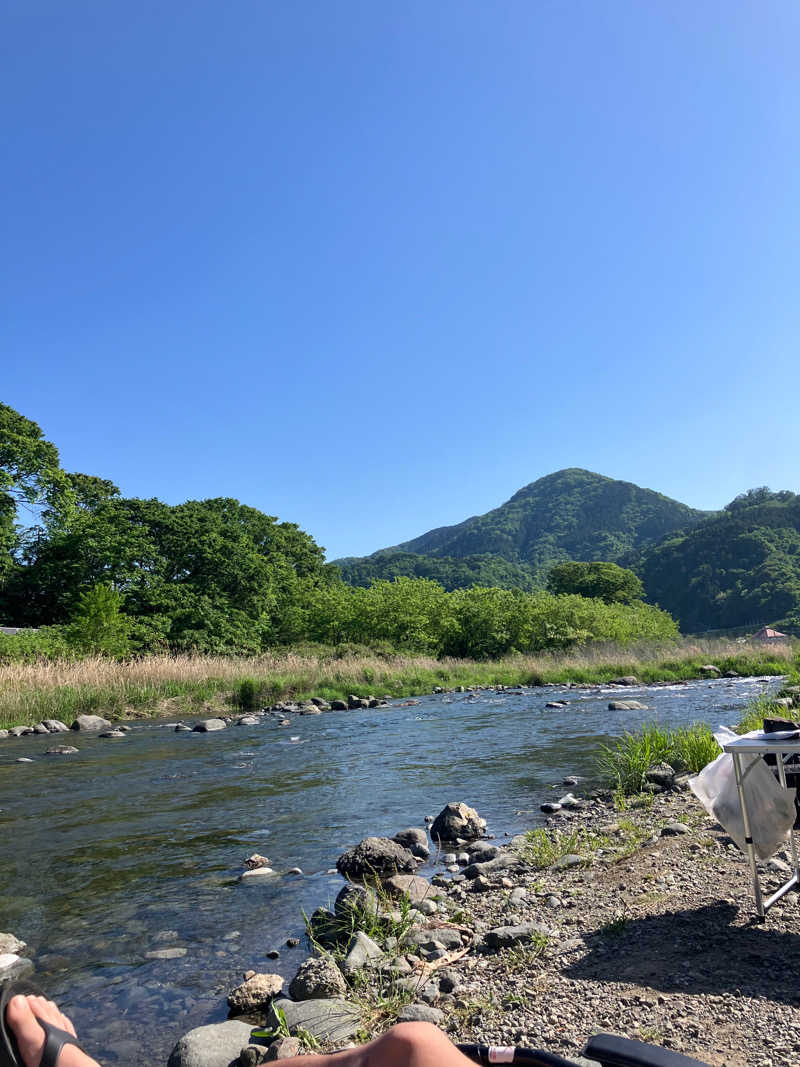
(755, 745)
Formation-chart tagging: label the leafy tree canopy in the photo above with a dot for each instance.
(607, 581)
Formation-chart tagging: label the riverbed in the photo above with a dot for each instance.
(136, 845)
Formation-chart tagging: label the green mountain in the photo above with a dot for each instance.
(572, 514)
(737, 568)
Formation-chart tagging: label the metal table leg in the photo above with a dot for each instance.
(751, 852)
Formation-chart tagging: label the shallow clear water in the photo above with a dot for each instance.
(136, 845)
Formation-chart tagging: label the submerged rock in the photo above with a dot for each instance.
(62, 750)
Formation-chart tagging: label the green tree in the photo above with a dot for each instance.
(98, 625)
(603, 581)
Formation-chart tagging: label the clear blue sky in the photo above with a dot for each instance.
(373, 266)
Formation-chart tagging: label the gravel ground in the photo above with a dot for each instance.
(662, 944)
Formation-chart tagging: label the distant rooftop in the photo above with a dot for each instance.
(766, 634)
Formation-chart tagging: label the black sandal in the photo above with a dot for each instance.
(54, 1037)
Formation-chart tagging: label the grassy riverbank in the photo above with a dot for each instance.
(168, 685)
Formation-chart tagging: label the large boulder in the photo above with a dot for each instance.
(415, 840)
(207, 726)
(317, 978)
(375, 857)
(627, 679)
(626, 705)
(90, 722)
(217, 1045)
(333, 1021)
(457, 820)
(255, 993)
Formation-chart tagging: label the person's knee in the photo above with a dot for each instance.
(407, 1040)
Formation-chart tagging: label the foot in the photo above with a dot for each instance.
(22, 1015)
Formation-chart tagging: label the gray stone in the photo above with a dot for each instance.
(206, 726)
(415, 840)
(375, 857)
(40, 728)
(20, 731)
(56, 726)
(457, 820)
(3, 735)
(571, 779)
(428, 907)
(317, 978)
(255, 993)
(353, 901)
(334, 1021)
(285, 1048)
(421, 1013)
(481, 853)
(446, 936)
(255, 861)
(661, 775)
(256, 873)
(564, 863)
(62, 750)
(23, 759)
(10, 944)
(362, 952)
(247, 720)
(182, 728)
(90, 722)
(550, 807)
(411, 886)
(166, 953)
(505, 936)
(217, 1045)
(627, 679)
(112, 733)
(500, 863)
(674, 829)
(252, 1056)
(14, 967)
(338, 705)
(626, 705)
(449, 980)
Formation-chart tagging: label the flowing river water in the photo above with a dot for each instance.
(136, 845)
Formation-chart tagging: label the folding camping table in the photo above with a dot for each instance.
(781, 749)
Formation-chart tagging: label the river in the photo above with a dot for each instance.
(136, 845)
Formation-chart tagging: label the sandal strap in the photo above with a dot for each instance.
(55, 1039)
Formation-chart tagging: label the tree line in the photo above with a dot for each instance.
(94, 571)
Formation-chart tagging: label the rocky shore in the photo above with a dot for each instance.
(638, 922)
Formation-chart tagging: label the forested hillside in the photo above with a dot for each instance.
(449, 572)
(572, 514)
(740, 567)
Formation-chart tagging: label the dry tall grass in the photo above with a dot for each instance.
(57, 689)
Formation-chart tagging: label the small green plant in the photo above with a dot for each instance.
(615, 926)
(543, 847)
(270, 1033)
(625, 762)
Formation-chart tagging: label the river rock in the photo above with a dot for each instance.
(285, 1048)
(62, 750)
(711, 670)
(375, 857)
(207, 726)
(415, 840)
(56, 726)
(353, 901)
(408, 885)
(247, 720)
(627, 679)
(334, 1021)
(90, 722)
(447, 936)
(550, 807)
(166, 953)
(10, 944)
(457, 820)
(317, 978)
(255, 994)
(255, 874)
(23, 759)
(14, 967)
(255, 861)
(20, 731)
(309, 709)
(490, 867)
(362, 952)
(338, 705)
(3, 735)
(556, 704)
(216, 1045)
(40, 728)
(421, 1013)
(505, 936)
(626, 705)
(565, 863)
(674, 829)
(661, 775)
(112, 733)
(481, 853)
(181, 727)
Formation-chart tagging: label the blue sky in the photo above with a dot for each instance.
(372, 267)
